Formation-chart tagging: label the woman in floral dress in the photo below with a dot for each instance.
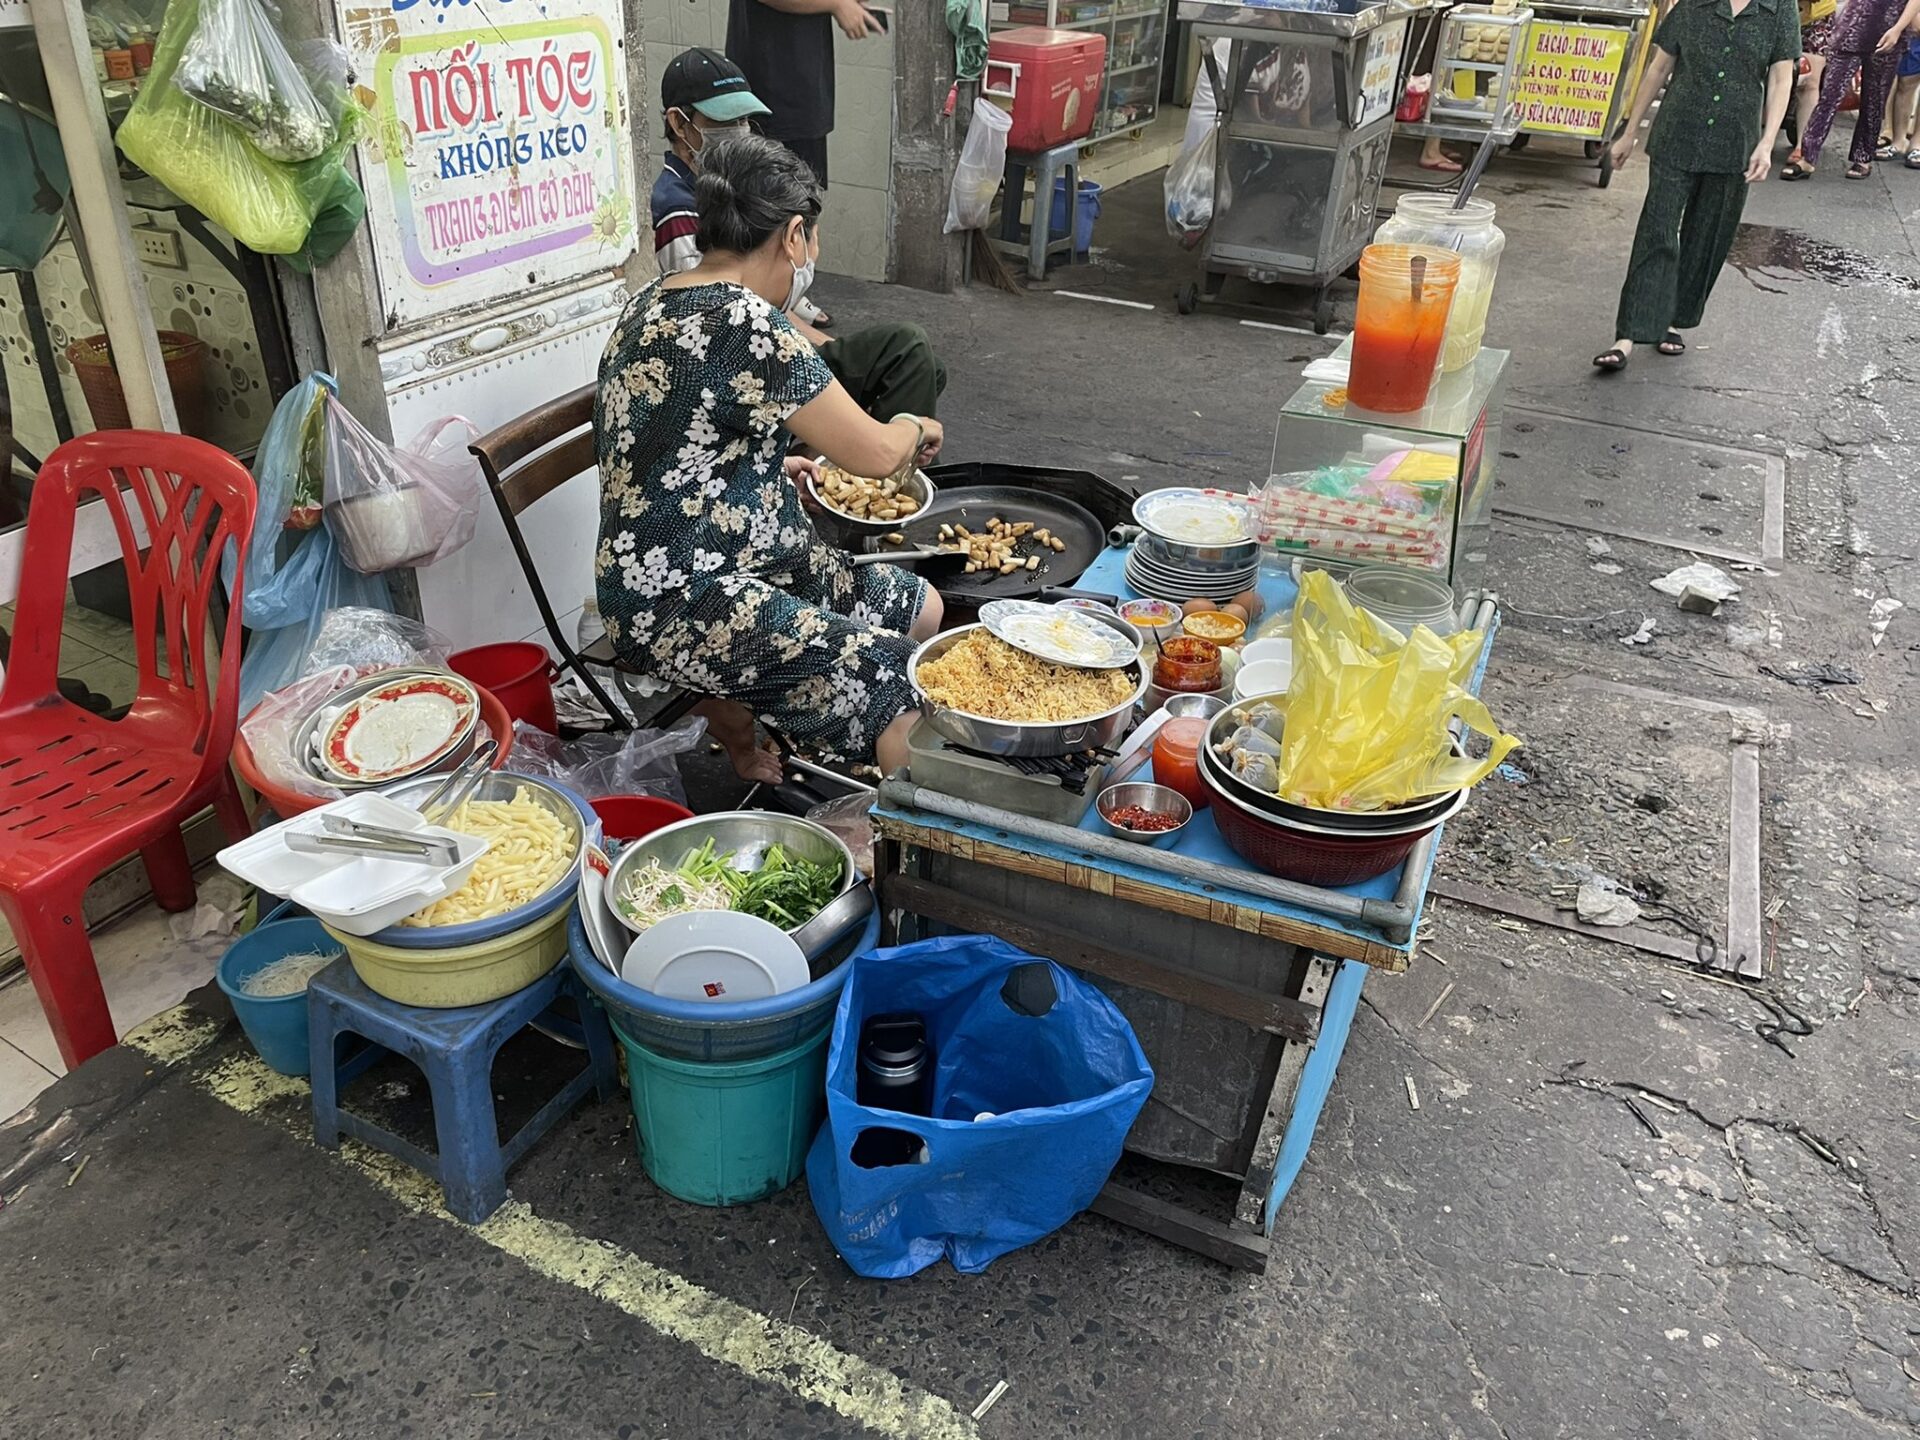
(710, 574)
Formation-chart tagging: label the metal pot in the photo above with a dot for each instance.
(1008, 737)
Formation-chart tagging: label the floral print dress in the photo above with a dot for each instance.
(709, 573)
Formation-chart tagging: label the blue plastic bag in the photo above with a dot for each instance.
(1047, 1059)
(290, 587)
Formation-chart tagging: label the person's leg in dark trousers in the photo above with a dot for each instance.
(814, 152)
(1833, 89)
(1706, 235)
(1876, 82)
(888, 369)
(1648, 296)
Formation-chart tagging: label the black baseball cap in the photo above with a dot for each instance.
(705, 80)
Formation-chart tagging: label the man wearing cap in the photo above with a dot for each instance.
(888, 369)
(704, 95)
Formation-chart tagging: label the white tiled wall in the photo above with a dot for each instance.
(856, 235)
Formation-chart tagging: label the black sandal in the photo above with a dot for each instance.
(1796, 170)
(1608, 361)
(1859, 172)
(1672, 344)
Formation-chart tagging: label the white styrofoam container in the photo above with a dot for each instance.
(358, 894)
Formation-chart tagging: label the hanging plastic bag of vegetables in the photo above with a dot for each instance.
(210, 161)
(237, 64)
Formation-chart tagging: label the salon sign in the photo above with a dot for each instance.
(496, 159)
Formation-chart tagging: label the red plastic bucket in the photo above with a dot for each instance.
(633, 817)
(519, 673)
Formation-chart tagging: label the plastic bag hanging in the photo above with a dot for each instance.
(1369, 713)
(390, 507)
(1189, 190)
(208, 161)
(237, 64)
(976, 178)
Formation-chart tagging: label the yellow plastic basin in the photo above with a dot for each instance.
(460, 974)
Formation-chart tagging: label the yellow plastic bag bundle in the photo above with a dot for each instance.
(1368, 712)
(207, 160)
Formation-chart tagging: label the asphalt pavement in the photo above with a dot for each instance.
(1636, 1200)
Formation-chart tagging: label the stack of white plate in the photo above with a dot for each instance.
(1169, 580)
(388, 726)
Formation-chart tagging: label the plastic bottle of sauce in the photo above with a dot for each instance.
(1176, 758)
(1399, 325)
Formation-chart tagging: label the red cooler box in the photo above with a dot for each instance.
(1053, 79)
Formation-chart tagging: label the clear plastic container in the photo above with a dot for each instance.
(1471, 234)
(1404, 599)
(1399, 324)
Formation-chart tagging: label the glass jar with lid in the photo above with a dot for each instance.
(1469, 231)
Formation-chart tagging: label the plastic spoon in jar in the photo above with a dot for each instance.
(1418, 265)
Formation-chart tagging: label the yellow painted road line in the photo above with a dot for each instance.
(756, 1345)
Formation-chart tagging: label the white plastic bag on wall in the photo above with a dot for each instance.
(389, 507)
(983, 159)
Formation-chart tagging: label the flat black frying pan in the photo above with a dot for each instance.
(973, 507)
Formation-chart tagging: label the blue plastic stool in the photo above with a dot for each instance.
(454, 1050)
(1061, 160)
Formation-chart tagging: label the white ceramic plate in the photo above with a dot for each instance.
(1195, 517)
(1059, 634)
(715, 955)
(400, 728)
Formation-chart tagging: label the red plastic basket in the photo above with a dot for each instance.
(1328, 860)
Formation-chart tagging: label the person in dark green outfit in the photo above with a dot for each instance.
(1728, 70)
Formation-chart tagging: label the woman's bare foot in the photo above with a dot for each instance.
(731, 723)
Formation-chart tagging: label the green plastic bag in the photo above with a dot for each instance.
(204, 158)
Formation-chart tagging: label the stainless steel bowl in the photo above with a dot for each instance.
(1157, 799)
(838, 528)
(1198, 561)
(1008, 737)
(1419, 814)
(749, 834)
(496, 785)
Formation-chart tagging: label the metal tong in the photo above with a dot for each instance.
(342, 835)
(461, 781)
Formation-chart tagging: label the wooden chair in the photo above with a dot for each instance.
(526, 460)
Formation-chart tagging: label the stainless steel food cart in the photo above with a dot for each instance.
(1306, 115)
(1582, 66)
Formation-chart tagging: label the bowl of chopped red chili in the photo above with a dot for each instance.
(1143, 813)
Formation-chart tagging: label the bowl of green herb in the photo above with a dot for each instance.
(777, 868)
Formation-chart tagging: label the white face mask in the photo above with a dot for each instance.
(802, 278)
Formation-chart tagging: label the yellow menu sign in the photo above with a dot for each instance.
(1567, 78)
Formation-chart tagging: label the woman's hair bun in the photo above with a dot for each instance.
(748, 188)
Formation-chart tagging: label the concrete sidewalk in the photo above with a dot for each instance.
(1635, 1201)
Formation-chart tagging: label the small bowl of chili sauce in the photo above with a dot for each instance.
(1143, 813)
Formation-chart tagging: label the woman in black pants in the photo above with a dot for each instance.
(1728, 68)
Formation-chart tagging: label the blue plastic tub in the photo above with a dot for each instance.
(1089, 212)
(276, 1024)
(721, 1031)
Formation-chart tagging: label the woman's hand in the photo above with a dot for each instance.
(1760, 163)
(800, 470)
(930, 439)
(1891, 40)
(1623, 149)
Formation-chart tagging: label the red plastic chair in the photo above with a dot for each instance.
(79, 794)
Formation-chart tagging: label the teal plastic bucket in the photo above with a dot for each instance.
(276, 1024)
(718, 1133)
